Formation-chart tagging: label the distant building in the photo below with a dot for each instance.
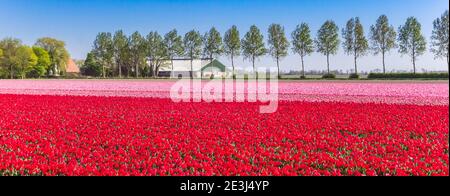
(72, 68)
(202, 68)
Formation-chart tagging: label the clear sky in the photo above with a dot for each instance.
(78, 21)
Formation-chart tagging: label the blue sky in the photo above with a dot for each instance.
(78, 21)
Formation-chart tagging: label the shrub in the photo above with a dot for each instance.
(329, 76)
(353, 76)
(4, 73)
(33, 74)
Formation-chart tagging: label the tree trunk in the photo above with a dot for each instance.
(12, 72)
(137, 70)
(210, 63)
(254, 71)
(150, 70)
(356, 67)
(192, 70)
(328, 63)
(172, 75)
(54, 70)
(278, 67)
(157, 71)
(103, 71)
(384, 66)
(253, 64)
(232, 64)
(414, 60)
(120, 71)
(448, 63)
(155, 67)
(303, 68)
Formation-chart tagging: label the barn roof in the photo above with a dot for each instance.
(71, 67)
(215, 63)
(197, 65)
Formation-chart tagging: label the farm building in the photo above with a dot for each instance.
(72, 68)
(201, 68)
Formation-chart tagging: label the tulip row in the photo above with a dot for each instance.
(425, 93)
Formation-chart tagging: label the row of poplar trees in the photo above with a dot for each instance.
(136, 55)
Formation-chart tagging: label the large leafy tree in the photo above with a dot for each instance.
(193, 47)
(411, 40)
(213, 46)
(382, 36)
(59, 55)
(90, 66)
(439, 37)
(302, 43)
(355, 42)
(278, 44)
(1, 55)
(174, 45)
(156, 52)
(104, 51)
(232, 44)
(43, 62)
(9, 46)
(253, 45)
(327, 41)
(120, 48)
(25, 60)
(1, 69)
(137, 51)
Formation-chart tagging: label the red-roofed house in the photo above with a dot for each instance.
(72, 68)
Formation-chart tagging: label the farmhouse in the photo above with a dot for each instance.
(72, 68)
(200, 67)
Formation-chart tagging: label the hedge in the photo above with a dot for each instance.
(329, 76)
(408, 75)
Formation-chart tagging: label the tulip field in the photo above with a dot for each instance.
(132, 127)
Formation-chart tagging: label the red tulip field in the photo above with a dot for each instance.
(117, 127)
